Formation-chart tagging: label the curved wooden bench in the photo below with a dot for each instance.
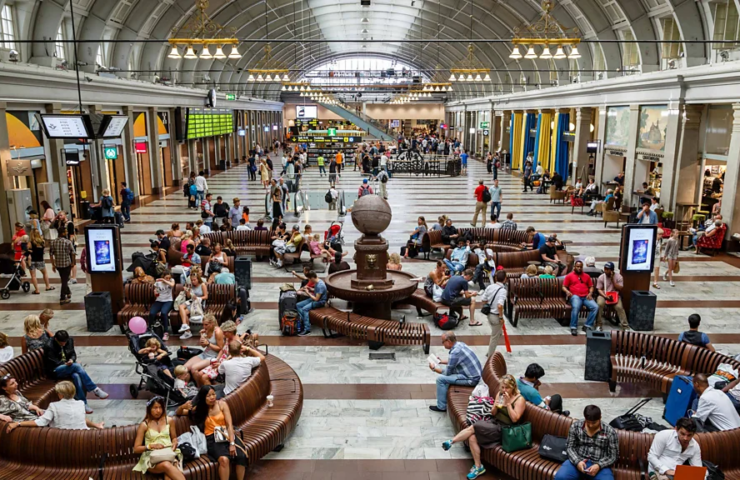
(500, 239)
(246, 242)
(174, 256)
(719, 448)
(369, 329)
(644, 358)
(539, 298)
(108, 453)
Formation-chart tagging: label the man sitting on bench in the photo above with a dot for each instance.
(462, 368)
(459, 258)
(456, 295)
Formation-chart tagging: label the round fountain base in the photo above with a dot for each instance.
(369, 300)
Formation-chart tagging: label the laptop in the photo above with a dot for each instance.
(685, 472)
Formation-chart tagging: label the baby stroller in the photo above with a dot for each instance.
(334, 234)
(153, 378)
(11, 275)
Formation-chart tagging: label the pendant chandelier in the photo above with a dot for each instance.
(268, 70)
(548, 33)
(194, 32)
(469, 70)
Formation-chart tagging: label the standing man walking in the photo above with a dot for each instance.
(496, 197)
(127, 198)
(201, 186)
(63, 258)
(482, 197)
(494, 297)
(320, 161)
(527, 175)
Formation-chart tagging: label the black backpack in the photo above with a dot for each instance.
(328, 198)
(486, 195)
(107, 202)
(384, 179)
(188, 452)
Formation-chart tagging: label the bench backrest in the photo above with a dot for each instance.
(241, 238)
(535, 288)
(26, 368)
(517, 259)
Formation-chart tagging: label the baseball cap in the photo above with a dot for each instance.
(551, 239)
(364, 180)
(609, 265)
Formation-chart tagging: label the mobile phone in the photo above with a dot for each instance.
(589, 464)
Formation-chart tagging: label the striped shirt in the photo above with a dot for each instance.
(463, 362)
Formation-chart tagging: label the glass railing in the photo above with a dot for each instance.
(372, 121)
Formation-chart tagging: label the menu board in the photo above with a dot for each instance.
(114, 127)
(315, 139)
(67, 126)
(204, 122)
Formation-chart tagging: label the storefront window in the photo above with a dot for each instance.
(718, 130)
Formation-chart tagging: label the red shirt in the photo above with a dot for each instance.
(578, 285)
(479, 192)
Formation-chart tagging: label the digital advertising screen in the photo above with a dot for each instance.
(638, 248)
(67, 126)
(113, 127)
(306, 111)
(207, 122)
(102, 254)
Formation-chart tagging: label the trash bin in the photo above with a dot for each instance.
(222, 165)
(85, 210)
(642, 310)
(598, 351)
(243, 271)
(98, 311)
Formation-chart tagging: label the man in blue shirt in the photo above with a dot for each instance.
(464, 160)
(317, 294)
(530, 383)
(223, 278)
(458, 259)
(647, 216)
(538, 239)
(694, 336)
(456, 295)
(463, 368)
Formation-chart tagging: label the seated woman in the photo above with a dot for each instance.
(212, 340)
(508, 410)
(229, 248)
(185, 240)
(415, 240)
(213, 417)
(548, 273)
(140, 277)
(531, 272)
(14, 407)
(440, 223)
(196, 290)
(155, 354)
(175, 231)
(590, 190)
(439, 277)
(394, 262)
(35, 334)
(156, 441)
(66, 414)
(209, 374)
(217, 260)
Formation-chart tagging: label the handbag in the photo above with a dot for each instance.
(162, 455)
(516, 437)
(486, 309)
(479, 408)
(554, 448)
(677, 267)
(220, 435)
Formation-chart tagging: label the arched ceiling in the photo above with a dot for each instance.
(342, 20)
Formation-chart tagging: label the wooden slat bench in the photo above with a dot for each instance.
(500, 239)
(369, 329)
(539, 298)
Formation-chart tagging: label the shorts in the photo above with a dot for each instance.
(37, 266)
(291, 248)
(464, 162)
(461, 301)
(332, 177)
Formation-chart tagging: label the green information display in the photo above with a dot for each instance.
(230, 97)
(110, 153)
(316, 139)
(205, 122)
(485, 125)
(332, 132)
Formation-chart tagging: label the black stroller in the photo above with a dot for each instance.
(11, 277)
(152, 378)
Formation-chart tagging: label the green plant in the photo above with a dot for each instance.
(667, 215)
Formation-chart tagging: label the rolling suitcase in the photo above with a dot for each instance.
(288, 301)
(245, 306)
(680, 399)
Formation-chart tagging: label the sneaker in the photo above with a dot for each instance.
(672, 284)
(574, 332)
(304, 333)
(599, 329)
(447, 445)
(476, 472)
(586, 328)
(186, 335)
(100, 393)
(73, 281)
(184, 327)
(166, 337)
(665, 276)
(435, 408)
(88, 409)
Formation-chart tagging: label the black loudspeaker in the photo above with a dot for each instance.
(598, 350)
(243, 272)
(98, 311)
(642, 310)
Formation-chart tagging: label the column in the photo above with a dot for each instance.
(6, 229)
(175, 152)
(55, 161)
(674, 127)
(505, 134)
(152, 124)
(686, 171)
(129, 155)
(98, 164)
(632, 169)
(601, 136)
(583, 135)
(730, 198)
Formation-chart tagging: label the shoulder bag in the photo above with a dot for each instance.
(516, 437)
(554, 448)
(162, 455)
(486, 309)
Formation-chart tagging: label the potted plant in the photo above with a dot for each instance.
(668, 221)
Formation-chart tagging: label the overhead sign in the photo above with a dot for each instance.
(230, 97)
(332, 132)
(67, 126)
(72, 157)
(485, 125)
(113, 126)
(312, 139)
(110, 153)
(486, 133)
(395, 123)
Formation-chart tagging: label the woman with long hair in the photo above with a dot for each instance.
(264, 173)
(14, 407)
(416, 235)
(47, 219)
(37, 261)
(156, 441)
(36, 335)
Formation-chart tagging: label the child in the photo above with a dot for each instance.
(26, 255)
(314, 245)
(245, 215)
(155, 354)
(183, 383)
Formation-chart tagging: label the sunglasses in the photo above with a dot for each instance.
(151, 401)
(6, 377)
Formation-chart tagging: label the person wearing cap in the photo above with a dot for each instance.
(610, 284)
(365, 189)
(579, 290)
(549, 255)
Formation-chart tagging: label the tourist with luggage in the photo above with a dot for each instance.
(317, 294)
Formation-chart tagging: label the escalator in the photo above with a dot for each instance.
(374, 127)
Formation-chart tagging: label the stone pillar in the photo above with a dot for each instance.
(129, 154)
(583, 136)
(730, 199)
(98, 163)
(686, 165)
(601, 138)
(57, 167)
(505, 135)
(630, 169)
(152, 123)
(674, 126)
(6, 229)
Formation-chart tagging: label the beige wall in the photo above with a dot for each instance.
(409, 111)
(324, 114)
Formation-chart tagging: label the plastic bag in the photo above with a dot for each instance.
(199, 440)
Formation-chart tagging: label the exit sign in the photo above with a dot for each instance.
(485, 125)
(230, 97)
(110, 153)
(332, 132)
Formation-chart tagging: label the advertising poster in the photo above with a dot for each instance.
(101, 252)
(640, 245)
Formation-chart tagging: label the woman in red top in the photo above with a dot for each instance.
(17, 240)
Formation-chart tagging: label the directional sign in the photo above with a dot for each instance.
(332, 132)
(486, 133)
(485, 125)
(231, 97)
(110, 153)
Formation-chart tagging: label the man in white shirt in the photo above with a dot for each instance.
(201, 185)
(238, 368)
(384, 162)
(495, 297)
(202, 227)
(725, 373)
(242, 225)
(671, 448)
(715, 411)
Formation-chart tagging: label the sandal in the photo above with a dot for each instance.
(463, 318)
(656, 286)
(36, 293)
(476, 324)
(50, 289)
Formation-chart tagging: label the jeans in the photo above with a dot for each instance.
(126, 211)
(495, 173)
(577, 302)
(569, 472)
(528, 183)
(163, 308)
(304, 307)
(455, 267)
(496, 207)
(322, 170)
(199, 197)
(443, 384)
(64, 275)
(79, 377)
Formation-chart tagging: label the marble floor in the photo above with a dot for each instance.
(357, 408)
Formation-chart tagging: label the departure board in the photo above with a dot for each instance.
(209, 122)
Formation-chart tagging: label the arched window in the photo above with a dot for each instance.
(364, 71)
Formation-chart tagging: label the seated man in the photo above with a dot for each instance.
(538, 239)
(458, 258)
(593, 447)
(590, 268)
(456, 295)
(608, 284)
(529, 386)
(317, 294)
(549, 256)
(449, 233)
(557, 181)
(463, 368)
(509, 222)
(222, 278)
(672, 448)
(579, 290)
(694, 336)
(714, 411)
(242, 225)
(238, 368)
(594, 202)
(204, 249)
(60, 361)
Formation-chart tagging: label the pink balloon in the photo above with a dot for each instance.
(137, 325)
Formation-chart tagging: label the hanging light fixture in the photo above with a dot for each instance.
(250, 78)
(234, 55)
(470, 77)
(452, 78)
(515, 54)
(546, 32)
(488, 78)
(284, 88)
(365, 20)
(206, 53)
(574, 54)
(193, 31)
(286, 78)
(260, 78)
(546, 55)
(268, 78)
(478, 78)
(531, 54)
(559, 53)
(174, 53)
(190, 54)
(220, 53)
